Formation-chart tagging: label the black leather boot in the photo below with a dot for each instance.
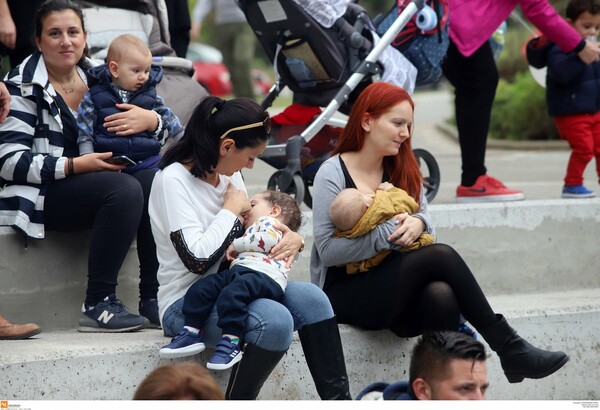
(520, 359)
(249, 375)
(324, 355)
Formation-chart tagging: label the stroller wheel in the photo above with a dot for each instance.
(430, 173)
(280, 181)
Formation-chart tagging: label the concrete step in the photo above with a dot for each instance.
(66, 365)
(526, 246)
(515, 247)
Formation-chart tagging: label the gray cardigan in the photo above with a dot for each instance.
(329, 251)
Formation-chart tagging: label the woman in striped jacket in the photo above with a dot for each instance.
(46, 185)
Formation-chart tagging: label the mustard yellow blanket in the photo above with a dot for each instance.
(385, 205)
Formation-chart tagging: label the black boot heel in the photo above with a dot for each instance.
(518, 378)
(514, 378)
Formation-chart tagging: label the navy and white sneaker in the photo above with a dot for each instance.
(109, 315)
(226, 355)
(184, 344)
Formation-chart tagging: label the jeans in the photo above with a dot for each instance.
(231, 291)
(270, 325)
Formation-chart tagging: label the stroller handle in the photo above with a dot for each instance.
(363, 69)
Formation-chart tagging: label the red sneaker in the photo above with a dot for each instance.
(487, 189)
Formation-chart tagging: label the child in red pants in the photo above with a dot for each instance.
(573, 96)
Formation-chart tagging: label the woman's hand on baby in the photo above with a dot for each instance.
(131, 120)
(288, 246)
(94, 162)
(409, 229)
(236, 200)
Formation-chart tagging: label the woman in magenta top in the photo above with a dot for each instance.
(470, 67)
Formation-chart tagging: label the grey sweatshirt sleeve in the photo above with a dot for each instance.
(424, 215)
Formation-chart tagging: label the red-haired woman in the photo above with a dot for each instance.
(408, 293)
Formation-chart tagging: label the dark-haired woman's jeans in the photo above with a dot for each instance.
(270, 324)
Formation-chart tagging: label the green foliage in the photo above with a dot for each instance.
(519, 111)
(512, 59)
(375, 7)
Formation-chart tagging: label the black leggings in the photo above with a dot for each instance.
(426, 289)
(474, 79)
(114, 206)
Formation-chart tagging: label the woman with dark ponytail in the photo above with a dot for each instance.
(196, 206)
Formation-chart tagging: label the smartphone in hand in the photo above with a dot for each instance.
(121, 160)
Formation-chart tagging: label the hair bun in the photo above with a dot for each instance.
(218, 105)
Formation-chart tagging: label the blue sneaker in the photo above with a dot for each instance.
(577, 191)
(149, 309)
(226, 355)
(182, 345)
(109, 315)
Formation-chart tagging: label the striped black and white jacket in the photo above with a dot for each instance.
(31, 147)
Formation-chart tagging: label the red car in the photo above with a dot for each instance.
(209, 69)
(213, 75)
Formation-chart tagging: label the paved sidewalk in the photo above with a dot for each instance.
(538, 172)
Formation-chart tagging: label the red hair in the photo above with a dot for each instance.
(179, 381)
(375, 100)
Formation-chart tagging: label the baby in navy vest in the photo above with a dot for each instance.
(129, 77)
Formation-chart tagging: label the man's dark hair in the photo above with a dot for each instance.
(576, 8)
(434, 351)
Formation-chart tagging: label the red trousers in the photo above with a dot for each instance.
(582, 132)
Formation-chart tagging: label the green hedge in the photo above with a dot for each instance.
(519, 111)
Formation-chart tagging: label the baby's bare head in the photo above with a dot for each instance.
(348, 207)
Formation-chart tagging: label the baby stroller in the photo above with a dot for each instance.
(147, 19)
(323, 67)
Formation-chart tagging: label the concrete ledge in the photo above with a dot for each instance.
(525, 246)
(45, 282)
(66, 365)
(517, 247)
(512, 247)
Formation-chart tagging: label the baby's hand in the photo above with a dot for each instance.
(385, 186)
(231, 253)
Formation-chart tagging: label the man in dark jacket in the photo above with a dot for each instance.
(444, 366)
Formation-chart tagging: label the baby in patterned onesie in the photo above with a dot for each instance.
(252, 275)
